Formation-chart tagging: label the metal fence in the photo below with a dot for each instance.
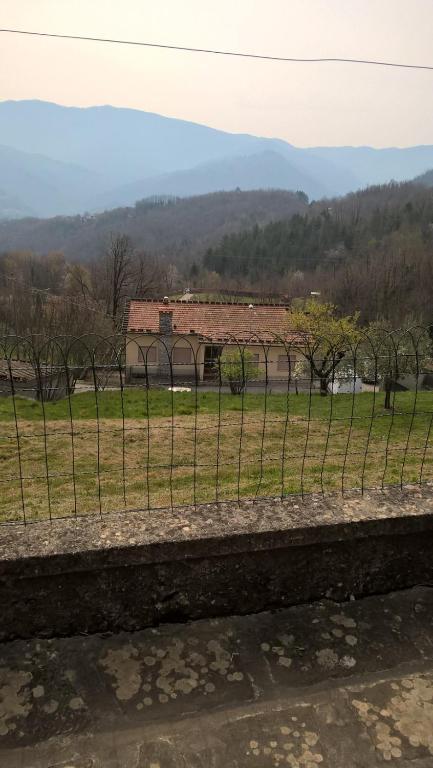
(92, 425)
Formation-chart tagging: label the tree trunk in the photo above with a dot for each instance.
(323, 386)
(387, 387)
(236, 386)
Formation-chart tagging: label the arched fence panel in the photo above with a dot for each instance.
(95, 426)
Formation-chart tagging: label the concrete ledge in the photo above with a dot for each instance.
(137, 569)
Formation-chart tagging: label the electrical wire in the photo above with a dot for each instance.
(217, 52)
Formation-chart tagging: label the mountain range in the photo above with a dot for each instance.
(57, 160)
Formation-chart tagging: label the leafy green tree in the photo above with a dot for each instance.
(325, 339)
(237, 368)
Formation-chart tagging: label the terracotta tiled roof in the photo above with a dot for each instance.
(211, 320)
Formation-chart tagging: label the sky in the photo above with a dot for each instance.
(305, 104)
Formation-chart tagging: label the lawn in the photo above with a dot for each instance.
(152, 448)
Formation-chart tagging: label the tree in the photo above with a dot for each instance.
(386, 355)
(300, 372)
(238, 367)
(194, 271)
(148, 275)
(78, 283)
(302, 196)
(325, 338)
(118, 258)
(171, 277)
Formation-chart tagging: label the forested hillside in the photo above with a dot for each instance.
(327, 231)
(426, 179)
(177, 228)
(371, 251)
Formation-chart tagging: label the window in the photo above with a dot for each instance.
(283, 362)
(254, 360)
(182, 356)
(147, 355)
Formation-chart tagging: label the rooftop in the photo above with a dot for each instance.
(216, 321)
(19, 370)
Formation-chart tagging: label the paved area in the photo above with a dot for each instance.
(337, 686)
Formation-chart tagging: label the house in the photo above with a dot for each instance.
(186, 338)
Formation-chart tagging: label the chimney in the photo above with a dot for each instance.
(166, 322)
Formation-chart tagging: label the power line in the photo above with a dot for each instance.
(216, 52)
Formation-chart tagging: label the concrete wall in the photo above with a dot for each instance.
(134, 570)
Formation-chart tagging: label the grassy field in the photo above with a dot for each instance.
(104, 452)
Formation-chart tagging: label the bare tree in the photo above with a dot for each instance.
(118, 267)
(78, 283)
(149, 275)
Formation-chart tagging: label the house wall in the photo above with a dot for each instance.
(268, 361)
(134, 360)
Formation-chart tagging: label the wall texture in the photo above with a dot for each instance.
(134, 570)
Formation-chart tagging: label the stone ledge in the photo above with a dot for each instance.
(208, 530)
(137, 569)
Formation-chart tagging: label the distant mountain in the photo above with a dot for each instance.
(177, 228)
(266, 170)
(127, 145)
(43, 186)
(11, 207)
(124, 144)
(72, 160)
(377, 166)
(426, 179)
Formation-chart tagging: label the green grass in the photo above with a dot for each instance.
(155, 448)
(137, 404)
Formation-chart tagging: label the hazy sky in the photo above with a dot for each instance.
(310, 104)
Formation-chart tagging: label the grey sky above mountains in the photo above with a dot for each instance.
(306, 105)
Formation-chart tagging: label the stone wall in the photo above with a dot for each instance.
(138, 569)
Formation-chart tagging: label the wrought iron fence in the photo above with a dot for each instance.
(94, 425)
